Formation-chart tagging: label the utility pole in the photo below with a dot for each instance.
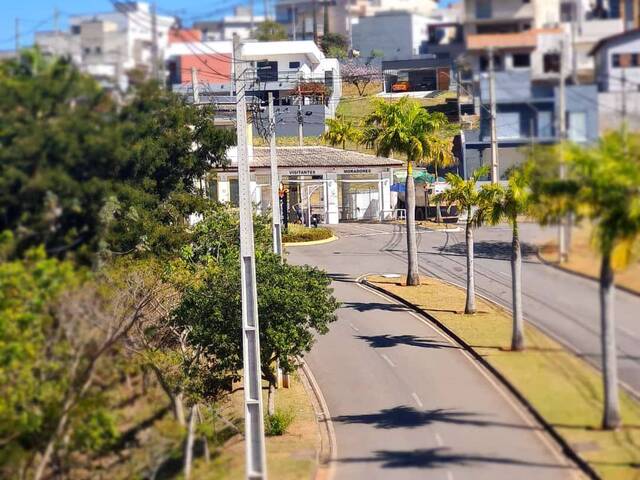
(459, 95)
(562, 130)
(255, 455)
(623, 81)
(266, 9)
(154, 41)
(575, 14)
(194, 86)
(293, 22)
(17, 31)
(275, 198)
(314, 6)
(494, 132)
(252, 18)
(300, 118)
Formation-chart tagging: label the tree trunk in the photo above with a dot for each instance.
(438, 212)
(470, 306)
(517, 340)
(205, 441)
(413, 277)
(188, 448)
(611, 417)
(271, 409)
(60, 428)
(175, 398)
(178, 408)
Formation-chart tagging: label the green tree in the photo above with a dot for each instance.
(499, 204)
(466, 196)
(340, 131)
(441, 150)
(80, 174)
(603, 186)
(270, 31)
(405, 128)
(334, 45)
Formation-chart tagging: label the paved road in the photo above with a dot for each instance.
(405, 401)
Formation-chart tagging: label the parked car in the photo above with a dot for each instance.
(402, 86)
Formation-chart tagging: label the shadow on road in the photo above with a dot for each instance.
(408, 417)
(369, 306)
(341, 277)
(438, 457)
(387, 341)
(494, 250)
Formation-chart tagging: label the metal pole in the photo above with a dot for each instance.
(194, 86)
(314, 6)
(255, 455)
(494, 133)
(154, 41)
(17, 32)
(252, 19)
(293, 22)
(562, 130)
(275, 198)
(300, 119)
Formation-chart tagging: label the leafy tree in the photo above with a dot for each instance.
(270, 31)
(80, 174)
(498, 204)
(340, 131)
(465, 194)
(359, 74)
(603, 186)
(405, 127)
(334, 45)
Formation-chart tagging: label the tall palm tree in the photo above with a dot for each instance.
(405, 128)
(465, 195)
(340, 131)
(604, 187)
(499, 204)
(441, 151)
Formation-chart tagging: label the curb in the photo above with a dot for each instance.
(548, 263)
(310, 243)
(328, 446)
(566, 448)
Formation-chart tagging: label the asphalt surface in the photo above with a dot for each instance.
(405, 401)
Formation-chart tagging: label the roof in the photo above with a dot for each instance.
(289, 157)
(525, 39)
(261, 50)
(613, 38)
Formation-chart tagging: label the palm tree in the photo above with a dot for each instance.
(604, 187)
(465, 194)
(498, 204)
(406, 128)
(340, 131)
(441, 151)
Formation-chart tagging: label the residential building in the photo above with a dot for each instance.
(617, 60)
(395, 34)
(241, 23)
(509, 16)
(296, 73)
(424, 73)
(108, 45)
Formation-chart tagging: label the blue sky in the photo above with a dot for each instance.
(38, 14)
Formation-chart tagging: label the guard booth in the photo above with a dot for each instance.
(332, 184)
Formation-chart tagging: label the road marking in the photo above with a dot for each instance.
(439, 440)
(387, 359)
(417, 399)
(449, 475)
(355, 329)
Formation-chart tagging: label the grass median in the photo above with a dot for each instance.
(291, 456)
(300, 234)
(562, 387)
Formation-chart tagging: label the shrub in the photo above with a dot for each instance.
(278, 423)
(299, 233)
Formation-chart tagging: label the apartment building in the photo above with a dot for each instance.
(108, 45)
(241, 23)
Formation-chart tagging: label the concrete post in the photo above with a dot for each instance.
(333, 216)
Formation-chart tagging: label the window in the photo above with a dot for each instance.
(75, 29)
(508, 125)
(635, 59)
(551, 62)
(87, 50)
(98, 50)
(483, 8)
(484, 63)
(545, 124)
(577, 130)
(615, 60)
(521, 60)
(328, 78)
(294, 65)
(267, 71)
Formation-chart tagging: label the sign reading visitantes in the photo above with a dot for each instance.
(302, 172)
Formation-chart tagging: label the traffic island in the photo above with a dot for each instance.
(298, 235)
(560, 389)
(291, 456)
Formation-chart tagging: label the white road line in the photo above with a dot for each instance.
(417, 399)
(449, 475)
(387, 359)
(439, 440)
(355, 329)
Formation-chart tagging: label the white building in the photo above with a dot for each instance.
(108, 45)
(241, 23)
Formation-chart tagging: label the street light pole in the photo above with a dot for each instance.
(562, 130)
(494, 133)
(255, 455)
(275, 197)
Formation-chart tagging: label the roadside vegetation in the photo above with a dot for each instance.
(299, 233)
(119, 335)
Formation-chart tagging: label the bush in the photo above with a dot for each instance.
(299, 233)
(278, 423)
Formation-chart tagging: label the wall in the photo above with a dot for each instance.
(610, 110)
(287, 120)
(393, 35)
